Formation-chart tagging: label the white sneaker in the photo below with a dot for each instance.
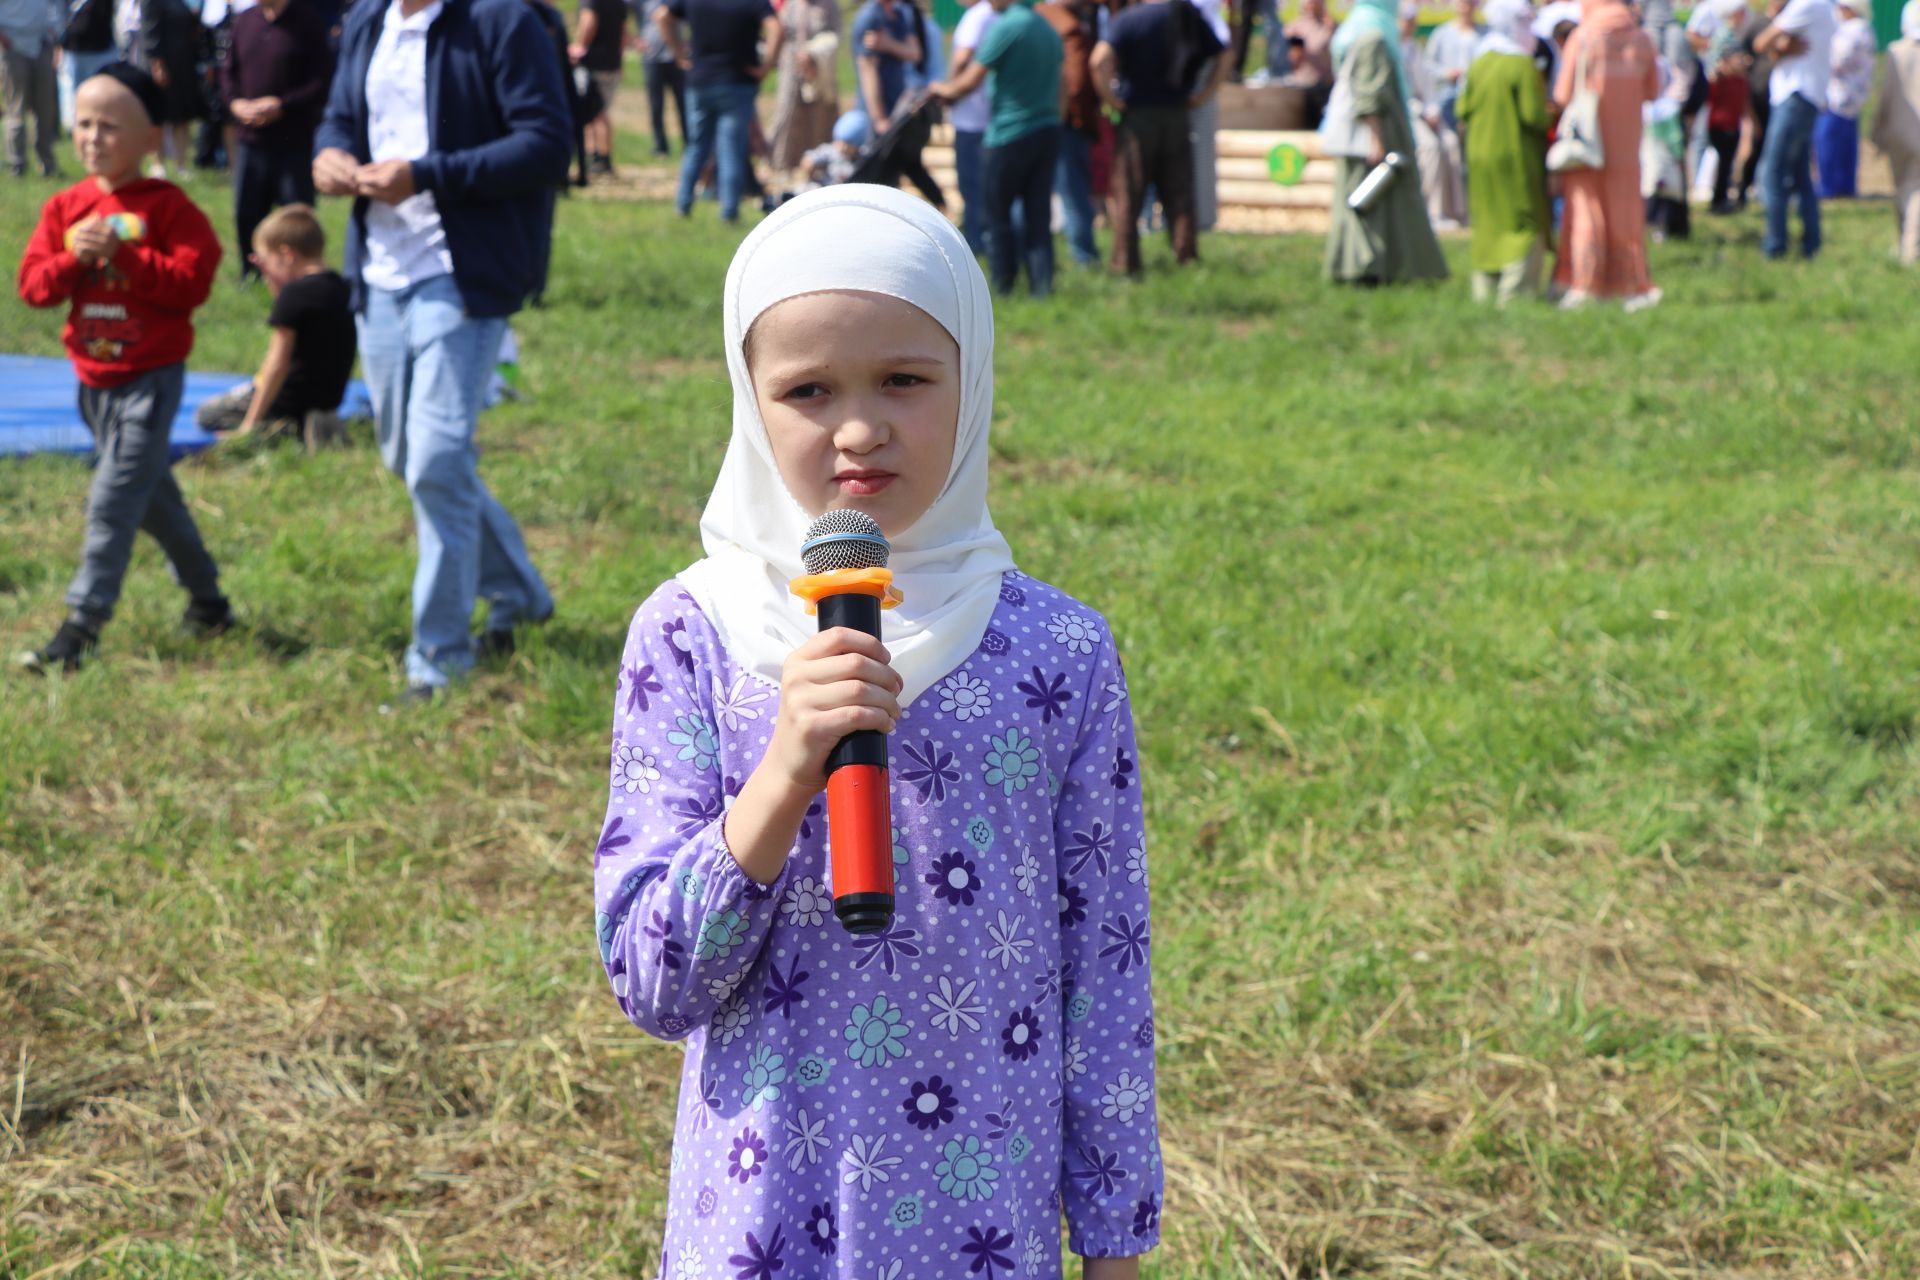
(1644, 301)
(1574, 299)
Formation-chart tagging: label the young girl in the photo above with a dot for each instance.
(929, 1100)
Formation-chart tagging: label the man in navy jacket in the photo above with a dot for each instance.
(448, 123)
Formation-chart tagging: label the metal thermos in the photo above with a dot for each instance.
(1373, 187)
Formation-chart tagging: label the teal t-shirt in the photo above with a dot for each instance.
(1022, 53)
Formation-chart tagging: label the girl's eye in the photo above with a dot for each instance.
(904, 380)
(805, 391)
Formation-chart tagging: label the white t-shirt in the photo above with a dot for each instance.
(971, 112)
(1807, 74)
(406, 242)
(1705, 23)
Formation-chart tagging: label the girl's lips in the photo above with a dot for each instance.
(864, 484)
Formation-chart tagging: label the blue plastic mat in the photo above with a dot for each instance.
(40, 412)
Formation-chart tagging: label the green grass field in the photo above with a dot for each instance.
(1527, 705)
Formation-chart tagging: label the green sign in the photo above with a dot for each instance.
(1286, 164)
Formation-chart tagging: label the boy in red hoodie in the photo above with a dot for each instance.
(132, 257)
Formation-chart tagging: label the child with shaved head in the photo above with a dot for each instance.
(131, 257)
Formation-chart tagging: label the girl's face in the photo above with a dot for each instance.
(860, 393)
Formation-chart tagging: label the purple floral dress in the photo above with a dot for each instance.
(927, 1101)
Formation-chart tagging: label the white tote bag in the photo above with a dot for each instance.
(1341, 132)
(1578, 144)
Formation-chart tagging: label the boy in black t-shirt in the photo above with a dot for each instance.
(310, 355)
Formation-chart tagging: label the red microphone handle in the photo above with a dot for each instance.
(860, 836)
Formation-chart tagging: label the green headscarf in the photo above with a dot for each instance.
(1368, 17)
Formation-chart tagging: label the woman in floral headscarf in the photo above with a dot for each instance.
(1603, 241)
(1392, 241)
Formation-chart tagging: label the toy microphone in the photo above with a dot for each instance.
(847, 584)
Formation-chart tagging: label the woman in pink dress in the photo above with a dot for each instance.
(1603, 244)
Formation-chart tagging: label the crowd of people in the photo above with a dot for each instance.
(1586, 129)
(1123, 97)
(1574, 131)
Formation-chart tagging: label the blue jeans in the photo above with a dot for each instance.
(1021, 173)
(1786, 168)
(1073, 180)
(427, 363)
(973, 199)
(719, 120)
(1836, 148)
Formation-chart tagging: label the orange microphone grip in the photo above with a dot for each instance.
(860, 830)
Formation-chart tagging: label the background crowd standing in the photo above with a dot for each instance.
(1571, 132)
(1113, 104)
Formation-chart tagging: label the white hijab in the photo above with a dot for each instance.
(948, 564)
(1509, 28)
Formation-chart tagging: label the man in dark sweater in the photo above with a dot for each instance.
(449, 125)
(1147, 71)
(274, 83)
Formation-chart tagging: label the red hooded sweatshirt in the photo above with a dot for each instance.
(133, 314)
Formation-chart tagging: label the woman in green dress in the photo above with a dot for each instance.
(1504, 111)
(1392, 241)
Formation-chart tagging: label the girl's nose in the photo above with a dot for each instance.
(862, 431)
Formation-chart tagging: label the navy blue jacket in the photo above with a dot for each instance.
(498, 140)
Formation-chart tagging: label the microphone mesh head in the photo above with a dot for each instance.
(844, 539)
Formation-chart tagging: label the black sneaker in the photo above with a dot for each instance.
(208, 618)
(494, 645)
(69, 649)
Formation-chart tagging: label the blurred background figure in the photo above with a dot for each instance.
(1076, 22)
(969, 120)
(599, 47)
(274, 85)
(1503, 110)
(1450, 51)
(1391, 242)
(27, 83)
(169, 49)
(1896, 128)
(1309, 64)
(807, 100)
(664, 75)
(1727, 98)
(1836, 134)
(1203, 119)
(1800, 40)
(1603, 241)
(85, 46)
(1436, 146)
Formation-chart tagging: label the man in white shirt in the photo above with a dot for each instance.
(969, 119)
(452, 213)
(1800, 40)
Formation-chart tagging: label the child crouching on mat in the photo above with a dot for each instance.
(928, 1100)
(312, 344)
(132, 257)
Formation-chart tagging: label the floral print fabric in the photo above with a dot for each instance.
(930, 1100)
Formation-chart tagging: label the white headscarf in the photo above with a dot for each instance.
(1509, 28)
(1910, 21)
(948, 564)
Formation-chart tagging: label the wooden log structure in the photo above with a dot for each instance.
(1250, 200)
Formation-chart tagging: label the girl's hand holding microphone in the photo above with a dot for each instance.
(835, 684)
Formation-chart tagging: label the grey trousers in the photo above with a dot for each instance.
(28, 86)
(133, 489)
